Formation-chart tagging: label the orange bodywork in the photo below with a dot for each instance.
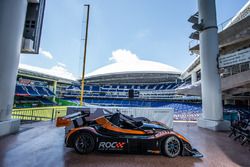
(108, 125)
(182, 137)
(61, 121)
(72, 131)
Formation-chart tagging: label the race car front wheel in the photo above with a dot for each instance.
(84, 143)
(172, 147)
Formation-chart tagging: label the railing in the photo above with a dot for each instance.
(220, 26)
(39, 113)
(224, 24)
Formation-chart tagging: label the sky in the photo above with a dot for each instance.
(155, 30)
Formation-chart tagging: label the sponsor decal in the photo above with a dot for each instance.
(111, 145)
(24, 81)
(162, 133)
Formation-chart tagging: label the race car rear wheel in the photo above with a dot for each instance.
(172, 147)
(84, 143)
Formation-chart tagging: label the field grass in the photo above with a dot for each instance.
(39, 113)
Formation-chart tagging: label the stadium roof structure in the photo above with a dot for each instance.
(140, 66)
(43, 74)
(133, 72)
(242, 14)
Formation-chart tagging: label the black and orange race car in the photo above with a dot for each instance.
(116, 132)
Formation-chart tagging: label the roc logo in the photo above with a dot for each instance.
(111, 145)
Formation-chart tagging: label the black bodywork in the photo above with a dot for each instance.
(106, 140)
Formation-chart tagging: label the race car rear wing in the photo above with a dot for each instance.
(68, 119)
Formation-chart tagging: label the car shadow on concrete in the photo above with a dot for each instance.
(123, 160)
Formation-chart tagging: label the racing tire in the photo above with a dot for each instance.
(171, 147)
(84, 143)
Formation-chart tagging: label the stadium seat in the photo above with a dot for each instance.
(143, 87)
(31, 91)
(158, 87)
(120, 87)
(21, 91)
(151, 86)
(86, 88)
(129, 86)
(95, 88)
(41, 91)
(50, 93)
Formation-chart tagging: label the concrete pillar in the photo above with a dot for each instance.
(193, 77)
(12, 18)
(54, 90)
(212, 113)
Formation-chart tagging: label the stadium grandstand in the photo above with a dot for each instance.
(146, 81)
(38, 89)
(148, 84)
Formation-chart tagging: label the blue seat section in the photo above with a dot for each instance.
(182, 110)
(71, 87)
(176, 86)
(49, 92)
(112, 91)
(158, 87)
(129, 86)
(21, 91)
(87, 88)
(32, 91)
(74, 88)
(164, 87)
(121, 87)
(106, 86)
(151, 86)
(42, 91)
(96, 88)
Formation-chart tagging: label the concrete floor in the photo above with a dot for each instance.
(41, 144)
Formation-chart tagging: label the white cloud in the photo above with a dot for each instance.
(61, 64)
(57, 71)
(123, 56)
(45, 53)
(61, 72)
